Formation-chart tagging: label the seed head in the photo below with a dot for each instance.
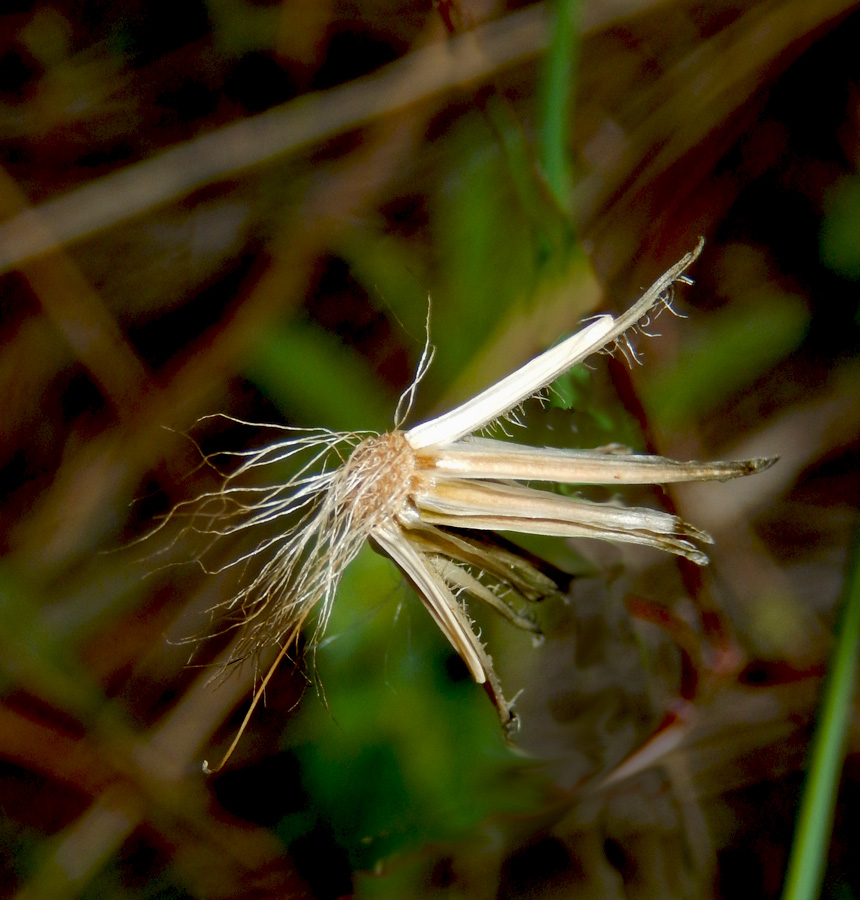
(433, 497)
(375, 481)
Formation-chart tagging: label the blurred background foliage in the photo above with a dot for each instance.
(242, 207)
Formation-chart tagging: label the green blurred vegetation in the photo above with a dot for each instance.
(394, 728)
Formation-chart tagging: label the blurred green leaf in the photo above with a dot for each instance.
(392, 274)
(557, 90)
(401, 753)
(739, 346)
(839, 240)
(322, 382)
(486, 251)
(815, 817)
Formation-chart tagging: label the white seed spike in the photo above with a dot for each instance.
(495, 401)
(525, 382)
(459, 578)
(443, 606)
(512, 507)
(486, 458)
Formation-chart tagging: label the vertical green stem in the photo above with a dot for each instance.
(815, 817)
(556, 99)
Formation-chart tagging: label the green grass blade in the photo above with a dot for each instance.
(815, 817)
(556, 99)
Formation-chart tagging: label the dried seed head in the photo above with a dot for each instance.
(375, 481)
(432, 497)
